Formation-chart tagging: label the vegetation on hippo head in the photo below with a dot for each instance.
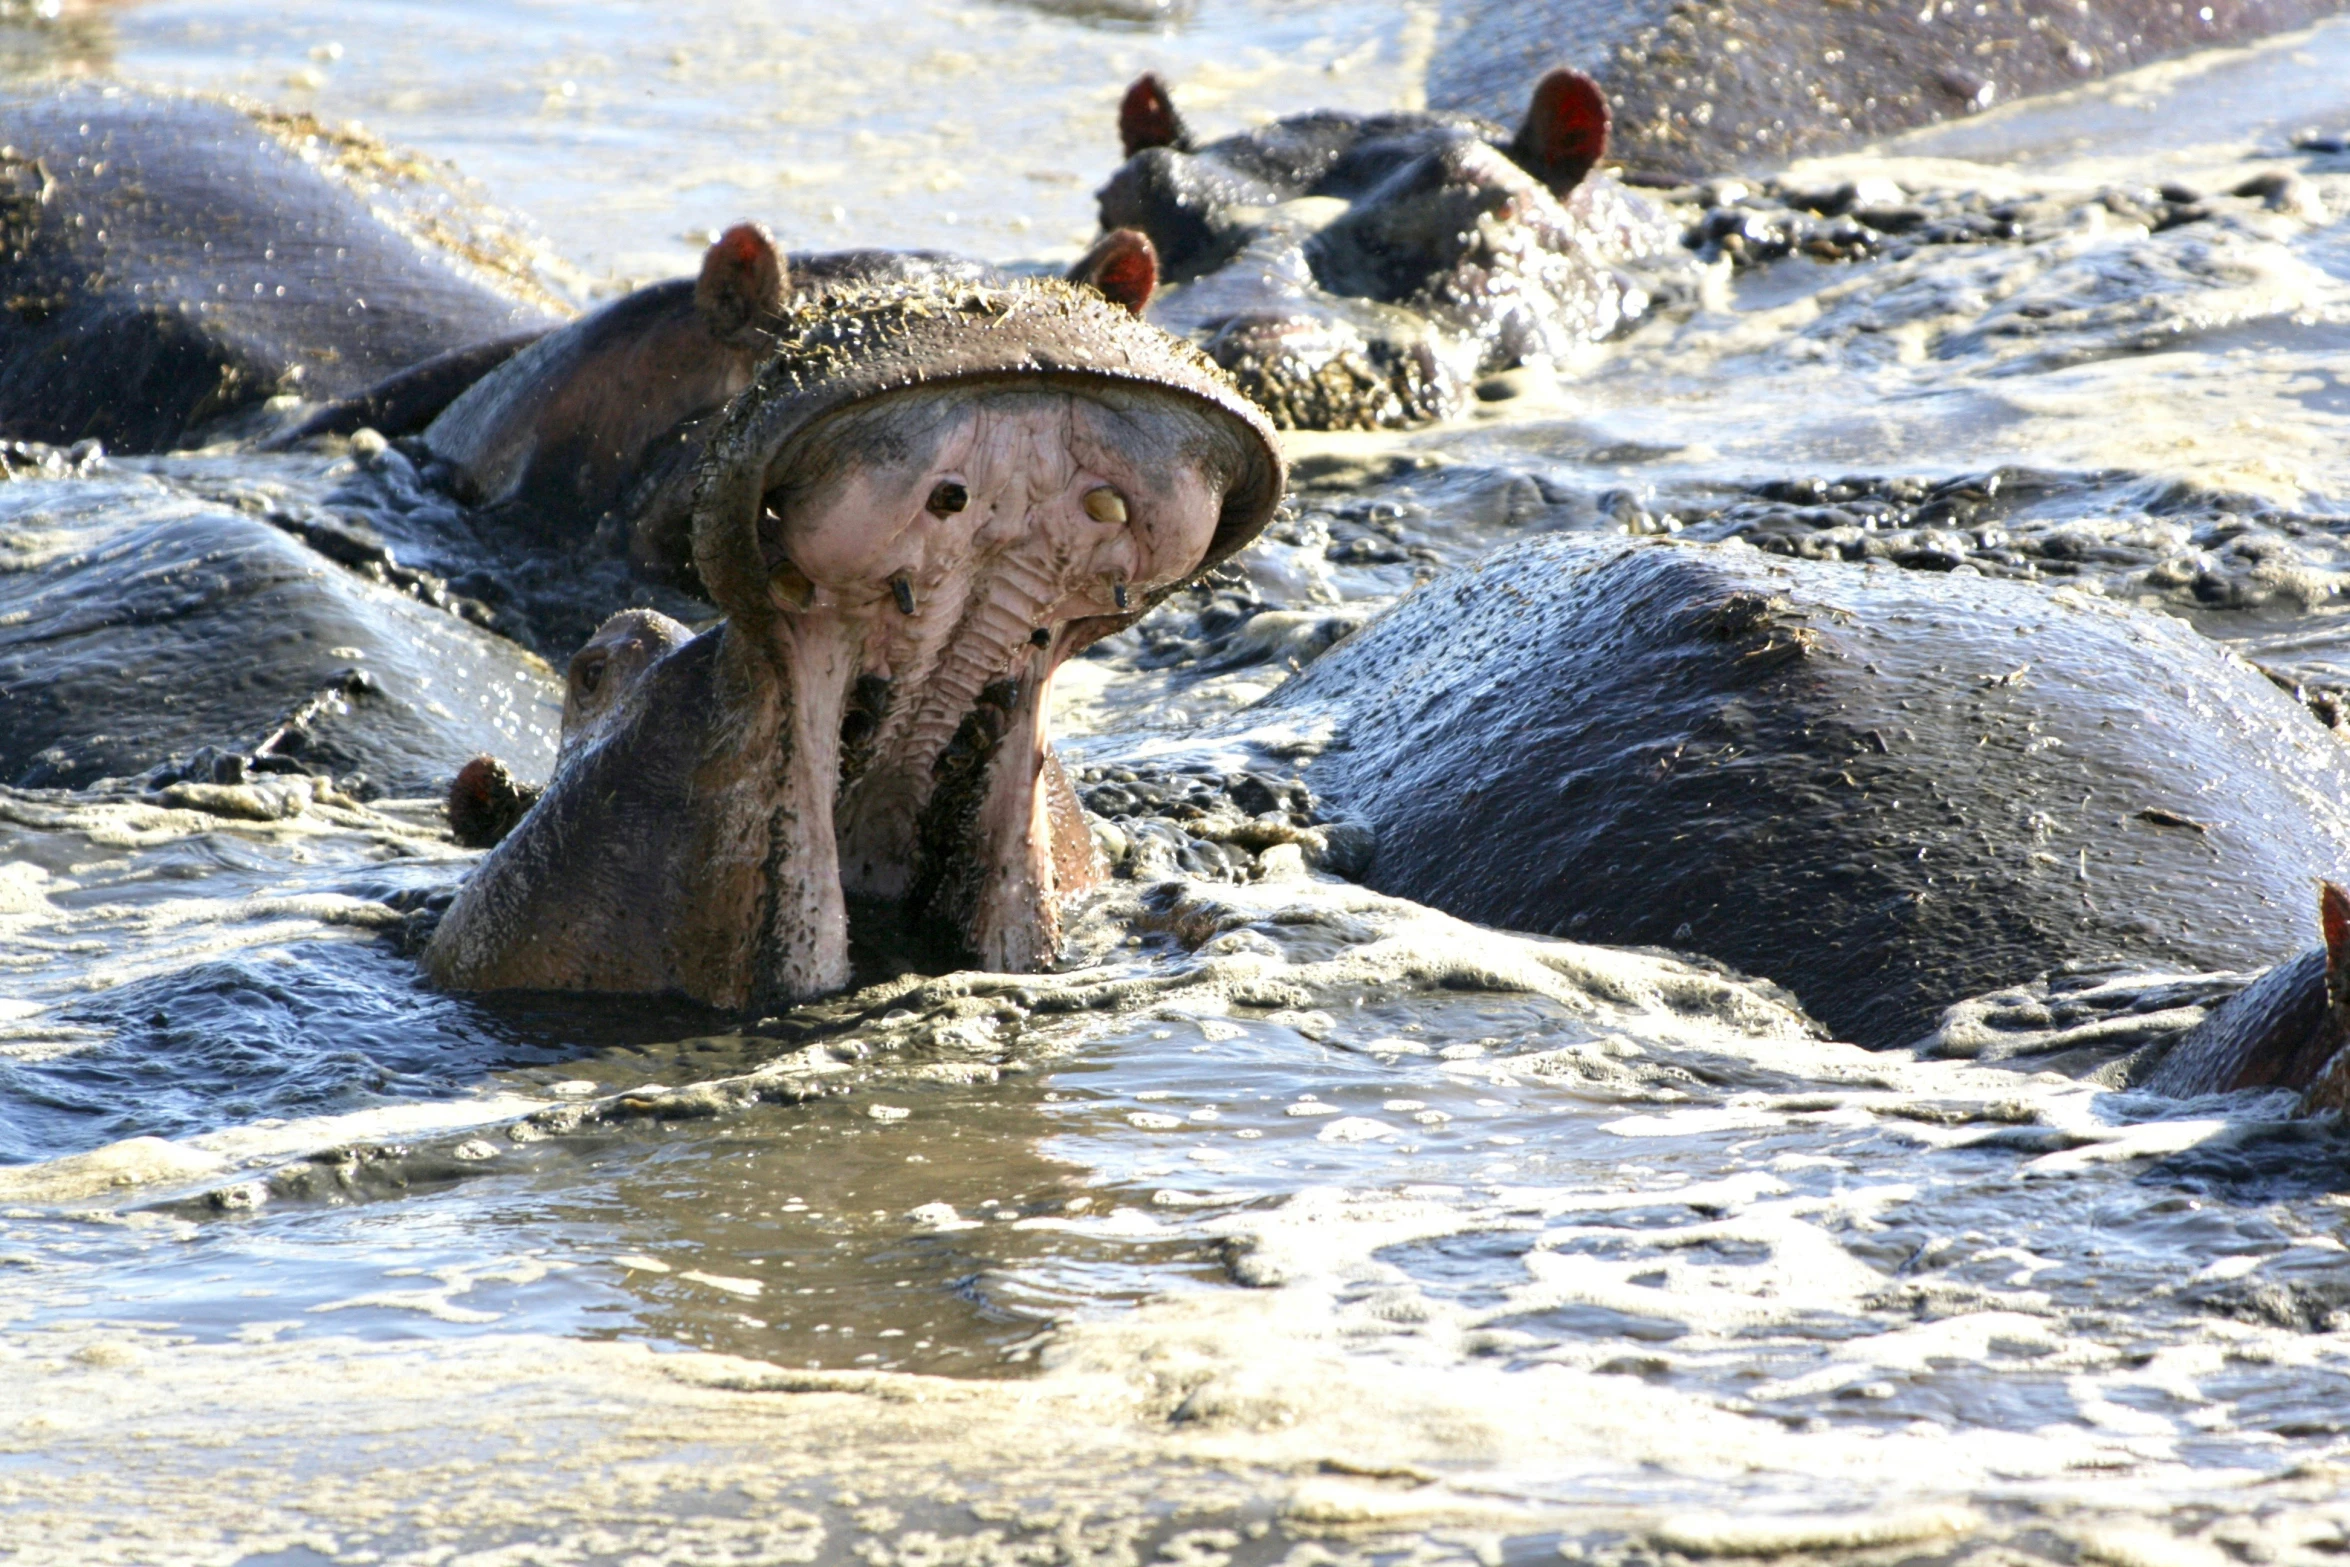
(854, 345)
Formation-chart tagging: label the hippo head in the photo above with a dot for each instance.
(926, 501)
(567, 427)
(1361, 270)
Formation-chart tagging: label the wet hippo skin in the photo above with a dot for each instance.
(1885, 790)
(138, 625)
(928, 500)
(1715, 86)
(1360, 271)
(167, 263)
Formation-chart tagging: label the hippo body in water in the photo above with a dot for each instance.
(1360, 271)
(926, 502)
(1720, 86)
(1887, 791)
(170, 263)
(140, 627)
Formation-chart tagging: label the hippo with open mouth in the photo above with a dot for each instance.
(925, 502)
(1361, 271)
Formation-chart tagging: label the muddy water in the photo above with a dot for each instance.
(1290, 1222)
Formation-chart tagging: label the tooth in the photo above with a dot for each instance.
(905, 594)
(1105, 505)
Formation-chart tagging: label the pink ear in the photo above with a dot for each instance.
(1565, 133)
(741, 283)
(1123, 265)
(1147, 118)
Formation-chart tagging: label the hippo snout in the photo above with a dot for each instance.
(921, 508)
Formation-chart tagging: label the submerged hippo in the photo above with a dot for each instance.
(926, 501)
(1716, 86)
(1360, 271)
(141, 628)
(170, 263)
(1886, 790)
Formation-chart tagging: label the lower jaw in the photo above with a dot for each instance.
(976, 880)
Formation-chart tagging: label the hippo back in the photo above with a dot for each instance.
(137, 625)
(1712, 86)
(168, 261)
(1884, 789)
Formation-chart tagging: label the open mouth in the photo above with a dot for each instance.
(919, 512)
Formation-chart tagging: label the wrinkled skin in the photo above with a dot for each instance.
(607, 670)
(928, 501)
(1362, 271)
(170, 264)
(1721, 86)
(1887, 791)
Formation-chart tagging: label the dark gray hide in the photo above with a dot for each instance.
(1708, 86)
(167, 262)
(1885, 790)
(137, 625)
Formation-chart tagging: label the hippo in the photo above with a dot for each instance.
(1362, 271)
(924, 503)
(148, 633)
(2286, 1029)
(1885, 790)
(1707, 87)
(172, 263)
(600, 424)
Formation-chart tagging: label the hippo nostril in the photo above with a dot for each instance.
(1040, 637)
(1105, 505)
(947, 497)
(904, 592)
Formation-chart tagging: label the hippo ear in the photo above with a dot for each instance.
(1147, 118)
(741, 284)
(1123, 266)
(2333, 918)
(1565, 132)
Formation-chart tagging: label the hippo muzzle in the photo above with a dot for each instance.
(924, 505)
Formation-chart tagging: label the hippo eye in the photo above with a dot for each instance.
(1105, 505)
(948, 497)
(591, 676)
